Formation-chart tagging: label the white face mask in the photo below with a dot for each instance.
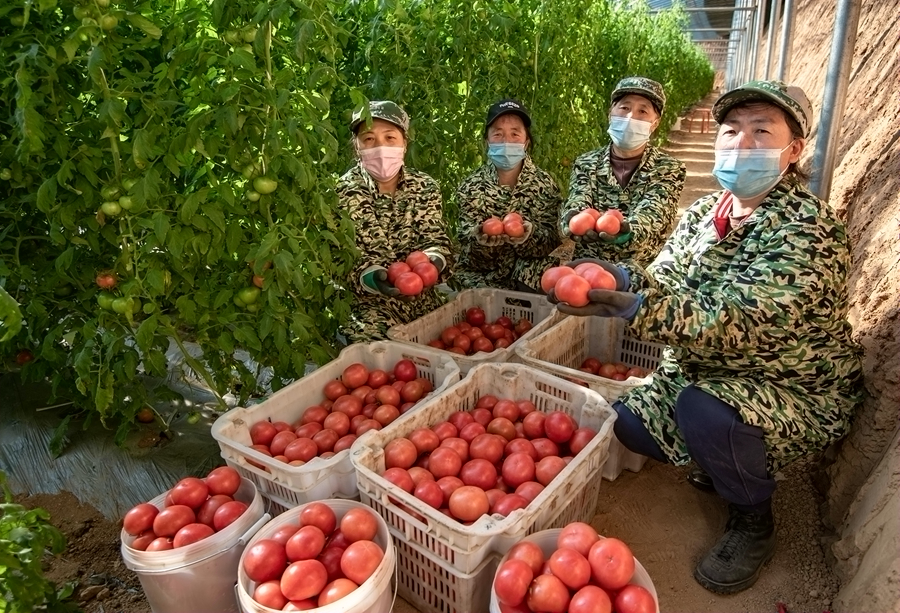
(383, 163)
(628, 134)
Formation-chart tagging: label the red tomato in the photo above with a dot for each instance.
(430, 493)
(594, 213)
(335, 590)
(409, 284)
(571, 567)
(593, 364)
(385, 414)
(592, 599)
(559, 427)
(482, 416)
(514, 228)
(480, 473)
(635, 599)
(449, 334)
(463, 342)
(552, 275)
(142, 540)
(511, 582)
(482, 344)
(366, 425)
(161, 543)
(636, 371)
(359, 525)
(488, 447)
(307, 604)
(428, 272)
(172, 519)
(282, 534)
(612, 563)
(388, 395)
(360, 560)
(506, 408)
(522, 326)
(517, 469)
(191, 533)
(320, 515)
(599, 278)
(548, 594)
(140, 518)
(573, 290)
(458, 445)
(412, 391)
(521, 445)
(377, 378)
(475, 316)
(308, 430)
(527, 552)
(335, 389)
(547, 468)
(579, 536)
(580, 439)
(503, 427)
(509, 503)
(400, 452)
(262, 433)
(303, 579)
(449, 485)
(425, 440)
(492, 226)
(400, 477)
(344, 443)
(608, 223)
(487, 401)
(268, 594)
(530, 490)
(512, 216)
(533, 424)
(265, 560)
(331, 560)
(444, 462)
(228, 513)
(470, 431)
(419, 474)
(581, 223)
(468, 503)
(191, 492)
(445, 430)
(208, 509)
(351, 405)
(395, 270)
(223, 480)
(339, 422)
(544, 447)
(355, 375)
(460, 419)
(305, 544)
(405, 370)
(417, 257)
(607, 370)
(302, 448)
(619, 377)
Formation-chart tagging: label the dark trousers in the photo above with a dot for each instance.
(730, 451)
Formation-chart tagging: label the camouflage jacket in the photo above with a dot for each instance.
(649, 202)
(758, 319)
(389, 227)
(537, 198)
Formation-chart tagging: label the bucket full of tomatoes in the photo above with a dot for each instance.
(193, 535)
(574, 570)
(328, 556)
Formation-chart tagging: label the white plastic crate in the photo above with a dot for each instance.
(495, 302)
(431, 584)
(288, 486)
(571, 495)
(563, 347)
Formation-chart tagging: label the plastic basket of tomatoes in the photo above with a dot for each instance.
(572, 569)
(565, 431)
(522, 314)
(295, 445)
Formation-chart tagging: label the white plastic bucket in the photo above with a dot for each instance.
(198, 577)
(546, 540)
(373, 596)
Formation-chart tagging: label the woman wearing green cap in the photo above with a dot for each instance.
(515, 257)
(750, 295)
(628, 175)
(395, 210)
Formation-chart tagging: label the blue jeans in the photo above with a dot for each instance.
(732, 453)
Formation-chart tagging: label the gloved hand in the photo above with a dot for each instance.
(621, 238)
(438, 259)
(375, 280)
(590, 236)
(491, 241)
(603, 303)
(623, 279)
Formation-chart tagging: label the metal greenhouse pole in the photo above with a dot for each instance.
(837, 79)
(758, 9)
(770, 38)
(784, 57)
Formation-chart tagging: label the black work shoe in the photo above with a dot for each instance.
(699, 479)
(735, 561)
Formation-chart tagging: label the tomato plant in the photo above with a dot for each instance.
(174, 144)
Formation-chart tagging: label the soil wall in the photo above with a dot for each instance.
(862, 477)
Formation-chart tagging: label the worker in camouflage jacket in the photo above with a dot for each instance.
(508, 182)
(750, 295)
(630, 175)
(395, 210)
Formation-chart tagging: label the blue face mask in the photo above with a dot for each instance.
(748, 173)
(629, 134)
(506, 156)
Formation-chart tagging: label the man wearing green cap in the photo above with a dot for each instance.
(750, 295)
(395, 210)
(628, 175)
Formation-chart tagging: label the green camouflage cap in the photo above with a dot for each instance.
(386, 110)
(790, 98)
(642, 86)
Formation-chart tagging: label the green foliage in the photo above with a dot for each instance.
(135, 136)
(24, 537)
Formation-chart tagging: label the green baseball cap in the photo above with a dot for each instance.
(641, 86)
(383, 109)
(790, 98)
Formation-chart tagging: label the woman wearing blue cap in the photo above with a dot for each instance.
(750, 295)
(509, 182)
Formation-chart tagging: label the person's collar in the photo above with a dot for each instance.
(373, 184)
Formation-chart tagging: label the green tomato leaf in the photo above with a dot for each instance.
(142, 23)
